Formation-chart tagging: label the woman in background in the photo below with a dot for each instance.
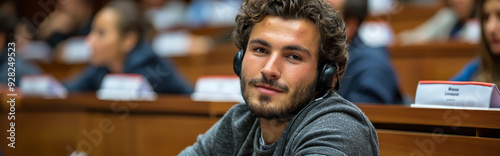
(117, 45)
(486, 67)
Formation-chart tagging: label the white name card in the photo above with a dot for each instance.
(382, 31)
(76, 51)
(455, 94)
(126, 87)
(45, 86)
(218, 89)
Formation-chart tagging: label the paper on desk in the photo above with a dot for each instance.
(45, 86)
(126, 87)
(453, 94)
(376, 34)
(217, 88)
(76, 51)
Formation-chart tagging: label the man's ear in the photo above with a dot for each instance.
(130, 39)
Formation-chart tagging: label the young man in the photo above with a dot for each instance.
(290, 49)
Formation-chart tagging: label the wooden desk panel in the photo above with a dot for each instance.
(107, 134)
(81, 122)
(413, 143)
(169, 103)
(156, 135)
(42, 133)
(429, 116)
(403, 130)
(168, 125)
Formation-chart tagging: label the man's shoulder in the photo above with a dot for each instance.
(336, 115)
(336, 124)
(337, 107)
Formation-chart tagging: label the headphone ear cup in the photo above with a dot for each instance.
(237, 61)
(325, 77)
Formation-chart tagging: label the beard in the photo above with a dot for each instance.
(261, 108)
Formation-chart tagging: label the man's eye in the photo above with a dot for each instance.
(295, 57)
(260, 50)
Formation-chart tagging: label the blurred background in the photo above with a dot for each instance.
(68, 40)
(195, 35)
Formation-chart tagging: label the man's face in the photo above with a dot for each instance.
(280, 66)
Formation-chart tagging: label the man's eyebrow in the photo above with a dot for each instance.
(298, 48)
(289, 47)
(259, 41)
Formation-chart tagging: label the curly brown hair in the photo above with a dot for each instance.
(332, 47)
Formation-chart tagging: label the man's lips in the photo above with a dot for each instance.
(266, 89)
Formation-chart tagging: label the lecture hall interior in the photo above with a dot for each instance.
(147, 77)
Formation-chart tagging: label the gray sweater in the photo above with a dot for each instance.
(329, 126)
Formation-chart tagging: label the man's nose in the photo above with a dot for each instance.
(272, 67)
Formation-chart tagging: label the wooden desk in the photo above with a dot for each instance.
(425, 131)
(168, 125)
(58, 127)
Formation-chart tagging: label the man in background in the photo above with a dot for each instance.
(369, 76)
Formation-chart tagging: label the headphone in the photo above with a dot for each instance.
(325, 72)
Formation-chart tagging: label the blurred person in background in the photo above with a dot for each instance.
(173, 19)
(22, 34)
(117, 46)
(70, 18)
(485, 67)
(369, 76)
(452, 23)
(22, 67)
